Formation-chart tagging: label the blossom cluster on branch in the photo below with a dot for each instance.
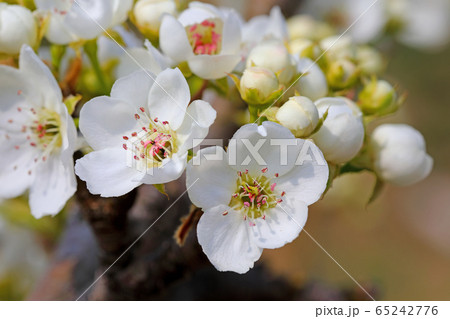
(122, 82)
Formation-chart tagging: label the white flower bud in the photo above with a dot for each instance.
(17, 27)
(369, 60)
(148, 15)
(342, 134)
(312, 83)
(377, 97)
(306, 27)
(300, 115)
(274, 56)
(399, 154)
(338, 47)
(342, 74)
(260, 80)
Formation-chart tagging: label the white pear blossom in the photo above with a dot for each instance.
(273, 55)
(207, 38)
(423, 24)
(300, 115)
(253, 203)
(265, 27)
(75, 20)
(142, 133)
(38, 137)
(342, 134)
(399, 154)
(17, 27)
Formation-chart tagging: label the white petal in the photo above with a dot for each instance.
(173, 40)
(53, 186)
(13, 81)
(306, 181)
(41, 77)
(104, 121)
(212, 67)
(277, 24)
(281, 225)
(210, 180)
(231, 37)
(197, 14)
(58, 31)
(200, 115)
(121, 9)
(107, 174)
(15, 165)
(170, 170)
(133, 89)
(226, 240)
(169, 97)
(89, 18)
(256, 149)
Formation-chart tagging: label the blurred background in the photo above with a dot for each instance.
(399, 246)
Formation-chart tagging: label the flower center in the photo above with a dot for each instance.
(254, 197)
(156, 141)
(42, 129)
(46, 129)
(205, 37)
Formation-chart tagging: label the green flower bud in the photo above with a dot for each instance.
(377, 97)
(342, 74)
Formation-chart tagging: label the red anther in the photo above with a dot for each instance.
(279, 200)
(125, 138)
(136, 116)
(10, 121)
(264, 170)
(264, 217)
(142, 109)
(283, 193)
(19, 109)
(276, 175)
(142, 155)
(246, 204)
(125, 147)
(142, 143)
(246, 171)
(33, 144)
(19, 92)
(134, 134)
(156, 120)
(136, 158)
(44, 158)
(17, 147)
(144, 129)
(165, 123)
(225, 213)
(272, 187)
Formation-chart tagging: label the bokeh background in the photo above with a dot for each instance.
(399, 246)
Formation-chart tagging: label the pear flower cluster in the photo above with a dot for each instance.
(130, 103)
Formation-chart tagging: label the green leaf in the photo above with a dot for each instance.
(162, 189)
(377, 189)
(57, 53)
(320, 123)
(71, 102)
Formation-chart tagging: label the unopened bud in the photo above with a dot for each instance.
(148, 15)
(300, 115)
(274, 56)
(258, 85)
(377, 97)
(342, 74)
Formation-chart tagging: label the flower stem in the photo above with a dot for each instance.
(90, 48)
